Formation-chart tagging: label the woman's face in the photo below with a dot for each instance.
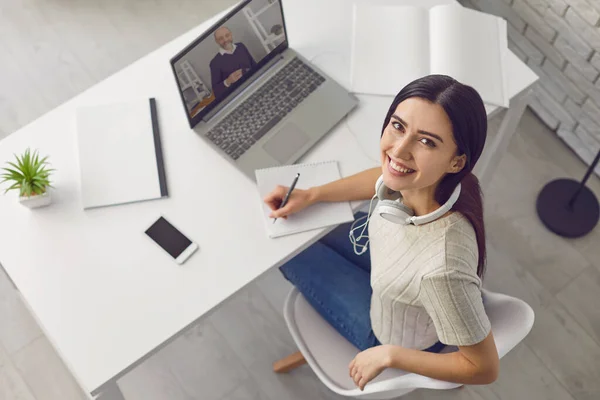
(419, 137)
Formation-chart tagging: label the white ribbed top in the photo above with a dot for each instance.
(425, 283)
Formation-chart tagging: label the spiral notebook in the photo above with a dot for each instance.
(318, 215)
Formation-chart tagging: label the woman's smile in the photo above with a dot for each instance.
(397, 169)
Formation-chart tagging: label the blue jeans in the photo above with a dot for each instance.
(336, 283)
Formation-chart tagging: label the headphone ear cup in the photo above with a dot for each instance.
(394, 211)
(385, 193)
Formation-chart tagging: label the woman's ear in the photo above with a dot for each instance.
(458, 163)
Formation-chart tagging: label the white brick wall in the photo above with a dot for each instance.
(559, 6)
(584, 66)
(572, 90)
(533, 53)
(548, 83)
(578, 147)
(569, 33)
(586, 10)
(586, 138)
(558, 110)
(560, 41)
(581, 116)
(518, 52)
(545, 47)
(582, 28)
(544, 114)
(503, 10)
(534, 19)
(596, 60)
(592, 110)
(586, 86)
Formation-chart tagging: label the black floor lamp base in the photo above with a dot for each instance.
(554, 211)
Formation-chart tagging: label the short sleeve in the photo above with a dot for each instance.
(454, 302)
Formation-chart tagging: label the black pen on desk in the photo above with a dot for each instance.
(287, 196)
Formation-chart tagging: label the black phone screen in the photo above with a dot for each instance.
(168, 237)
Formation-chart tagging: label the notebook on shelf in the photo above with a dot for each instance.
(120, 153)
(394, 45)
(318, 215)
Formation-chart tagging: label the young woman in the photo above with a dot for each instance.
(419, 286)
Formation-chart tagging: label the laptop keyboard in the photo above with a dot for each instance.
(260, 112)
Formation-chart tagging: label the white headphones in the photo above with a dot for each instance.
(391, 208)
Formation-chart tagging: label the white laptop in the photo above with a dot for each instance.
(253, 98)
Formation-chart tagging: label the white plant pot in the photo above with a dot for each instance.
(36, 201)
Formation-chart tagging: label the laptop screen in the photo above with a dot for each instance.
(214, 65)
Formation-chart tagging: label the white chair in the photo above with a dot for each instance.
(328, 353)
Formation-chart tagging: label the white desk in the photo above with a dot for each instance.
(102, 292)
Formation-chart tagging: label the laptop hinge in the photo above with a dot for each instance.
(242, 89)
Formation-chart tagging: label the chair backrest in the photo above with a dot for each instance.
(328, 353)
(511, 318)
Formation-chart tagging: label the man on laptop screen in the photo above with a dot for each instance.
(230, 63)
(214, 65)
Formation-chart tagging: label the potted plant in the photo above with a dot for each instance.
(29, 175)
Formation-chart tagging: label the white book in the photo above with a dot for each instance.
(394, 45)
(120, 155)
(318, 215)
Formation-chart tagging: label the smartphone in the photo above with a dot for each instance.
(171, 240)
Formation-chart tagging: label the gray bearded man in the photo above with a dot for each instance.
(232, 61)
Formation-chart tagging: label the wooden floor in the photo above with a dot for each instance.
(53, 49)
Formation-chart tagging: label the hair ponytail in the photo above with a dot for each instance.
(469, 204)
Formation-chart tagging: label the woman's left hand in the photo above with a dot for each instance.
(368, 364)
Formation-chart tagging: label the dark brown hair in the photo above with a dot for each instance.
(466, 111)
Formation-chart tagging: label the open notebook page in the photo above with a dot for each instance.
(318, 215)
(470, 46)
(390, 47)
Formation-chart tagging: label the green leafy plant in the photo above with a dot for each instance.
(29, 174)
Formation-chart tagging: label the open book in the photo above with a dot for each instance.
(394, 45)
(318, 215)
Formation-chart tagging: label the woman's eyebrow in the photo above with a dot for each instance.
(420, 131)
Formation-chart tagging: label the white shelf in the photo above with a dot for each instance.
(267, 39)
(265, 8)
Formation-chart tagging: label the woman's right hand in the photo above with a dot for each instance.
(299, 200)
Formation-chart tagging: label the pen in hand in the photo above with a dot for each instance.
(287, 196)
